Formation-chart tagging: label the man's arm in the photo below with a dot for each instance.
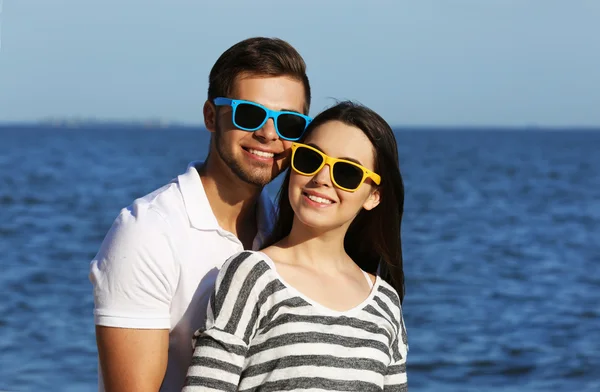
(134, 275)
(132, 360)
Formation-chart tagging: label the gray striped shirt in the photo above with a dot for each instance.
(263, 335)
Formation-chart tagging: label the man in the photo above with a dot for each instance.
(155, 270)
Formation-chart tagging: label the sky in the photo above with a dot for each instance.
(417, 63)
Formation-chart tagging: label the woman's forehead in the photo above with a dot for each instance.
(338, 140)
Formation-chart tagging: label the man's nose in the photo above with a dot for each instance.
(267, 133)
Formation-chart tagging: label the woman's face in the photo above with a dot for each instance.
(316, 201)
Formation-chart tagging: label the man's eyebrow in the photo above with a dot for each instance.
(344, 158)
(290, 110)
(278, 110)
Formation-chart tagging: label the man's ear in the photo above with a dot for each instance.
(373, 200)
(210, 116)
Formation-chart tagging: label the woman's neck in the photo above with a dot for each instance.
(319, 250)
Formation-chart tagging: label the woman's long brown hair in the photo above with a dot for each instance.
(373, 238)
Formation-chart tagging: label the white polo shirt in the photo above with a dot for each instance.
(157, 266)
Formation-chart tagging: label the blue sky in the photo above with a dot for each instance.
(461, 62)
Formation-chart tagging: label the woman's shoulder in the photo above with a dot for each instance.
(244, 262)
(389, 295)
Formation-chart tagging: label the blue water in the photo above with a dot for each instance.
(501, 243)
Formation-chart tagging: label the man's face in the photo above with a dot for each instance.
(255, 157)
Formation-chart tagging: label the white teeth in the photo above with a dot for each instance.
(261, 153)
(319, 199)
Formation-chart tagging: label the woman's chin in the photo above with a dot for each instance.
(315, 222)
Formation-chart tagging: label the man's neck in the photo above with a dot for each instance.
(233, 201)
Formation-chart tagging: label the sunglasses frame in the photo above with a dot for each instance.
(327, 160)
(274, 114)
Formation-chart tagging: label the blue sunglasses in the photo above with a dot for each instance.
(251, 116)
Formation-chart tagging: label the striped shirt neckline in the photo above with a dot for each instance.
(312, 302)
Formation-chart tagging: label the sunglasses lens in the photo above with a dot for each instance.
(291, 126)
(347, 175)
(249, 116)
(306, 161)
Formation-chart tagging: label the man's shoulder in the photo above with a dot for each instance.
(164, 201)
(155, 210)
(164, 206)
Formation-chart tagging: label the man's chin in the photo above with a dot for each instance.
(251, 172)
(256, 179)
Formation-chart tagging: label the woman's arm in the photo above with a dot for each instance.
(396, 377)
(221, 348)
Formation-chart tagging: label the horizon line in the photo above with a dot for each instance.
(157, 123)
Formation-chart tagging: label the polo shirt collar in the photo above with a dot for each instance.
(201, 215)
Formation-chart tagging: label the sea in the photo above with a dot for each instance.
(501, 242)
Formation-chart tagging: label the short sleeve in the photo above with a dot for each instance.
(232, 319)
(396, 377)
(134, 272)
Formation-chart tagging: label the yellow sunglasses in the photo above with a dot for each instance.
(346, 175)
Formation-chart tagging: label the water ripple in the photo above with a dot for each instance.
(500, 242)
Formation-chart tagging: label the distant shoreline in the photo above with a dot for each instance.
(158, 125)
(99, 124)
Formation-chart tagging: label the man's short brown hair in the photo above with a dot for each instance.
(258, 56)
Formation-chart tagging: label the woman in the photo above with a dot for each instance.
(311, 311)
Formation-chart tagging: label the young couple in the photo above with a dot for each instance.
(200, 285)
